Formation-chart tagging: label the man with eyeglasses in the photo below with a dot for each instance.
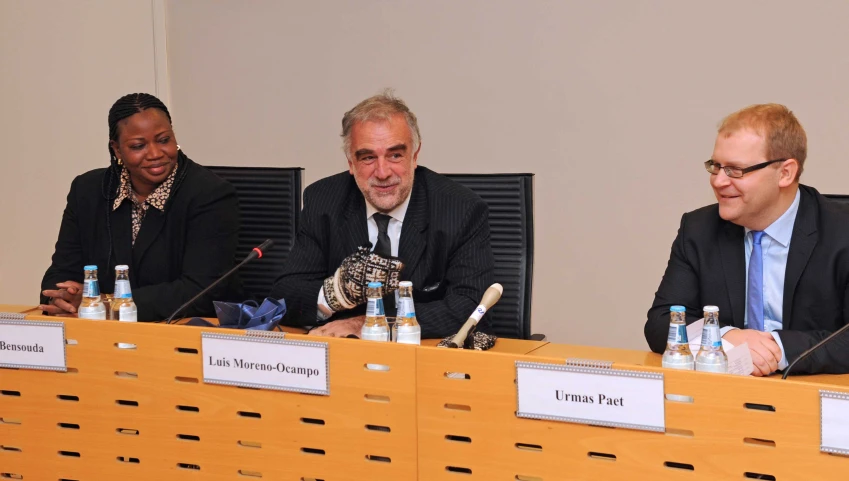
(772, 254)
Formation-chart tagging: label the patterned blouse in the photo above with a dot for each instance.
(156, 199)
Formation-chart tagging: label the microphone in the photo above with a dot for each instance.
(490, 297)
(255, 253)
(811, 350)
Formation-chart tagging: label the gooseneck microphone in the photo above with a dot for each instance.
(490, 297)
(255, 253)
(811, 350)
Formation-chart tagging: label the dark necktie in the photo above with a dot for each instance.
(384, 245)
(384, 248)
(755, 290)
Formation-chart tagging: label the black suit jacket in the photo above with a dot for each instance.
(177, 252)
(708, 266)
(444, 244)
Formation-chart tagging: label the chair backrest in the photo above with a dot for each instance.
(269, 206)
(843, 199)
(511, 223)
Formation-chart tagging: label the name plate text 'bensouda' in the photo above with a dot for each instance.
(590, 393)
(266, 361)
(32, 345)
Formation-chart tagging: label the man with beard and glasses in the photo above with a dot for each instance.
(386, 219)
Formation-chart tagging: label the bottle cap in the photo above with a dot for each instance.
(678, 309)
(711, 309)
(89, 268)
(405, 284)
(122, 267)
(375, 284)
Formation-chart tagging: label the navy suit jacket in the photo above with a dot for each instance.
(707, 266)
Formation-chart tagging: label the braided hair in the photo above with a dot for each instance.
(124, 107)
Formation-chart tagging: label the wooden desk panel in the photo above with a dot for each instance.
(439, 427)
(18, 308)
(295, 436)
(716, 433)
(617, 356)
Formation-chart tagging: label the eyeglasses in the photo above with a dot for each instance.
(713, 167)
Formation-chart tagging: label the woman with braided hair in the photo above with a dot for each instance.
(173, 222)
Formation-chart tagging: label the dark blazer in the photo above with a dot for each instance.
(708, 266)
(444, 244)
(177, 252)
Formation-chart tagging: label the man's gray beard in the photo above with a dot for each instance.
(401, 198)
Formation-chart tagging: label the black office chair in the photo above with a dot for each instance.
(511, 223)
(843, 199)
(269, 206)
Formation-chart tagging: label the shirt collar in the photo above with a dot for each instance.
(125, 189)
(782, 229)
(156, 199)
(397, 213)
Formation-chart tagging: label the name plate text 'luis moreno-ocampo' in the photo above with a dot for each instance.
(32, 345)
(589, 392)
(266, 361)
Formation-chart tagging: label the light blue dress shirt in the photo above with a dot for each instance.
(776, 247)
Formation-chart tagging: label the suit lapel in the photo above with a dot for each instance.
(354, 228)
(151, 226)
(733, 257)
(413, 243)
(802, 244)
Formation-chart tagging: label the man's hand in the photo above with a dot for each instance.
(340, 328)
(64, 300)
(765, 351)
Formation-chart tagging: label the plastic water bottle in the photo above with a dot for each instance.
(375, 328)
(678, 354)
(91, 306)
(711, 357)
(123, 307)
(406, 329)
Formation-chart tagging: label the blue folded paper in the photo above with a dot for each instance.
(246, 315)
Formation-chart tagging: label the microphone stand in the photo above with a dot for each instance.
(811, 350)
(255, 253)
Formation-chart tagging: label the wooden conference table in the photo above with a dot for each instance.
(146, 414)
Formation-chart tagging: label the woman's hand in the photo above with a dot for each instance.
(65, 300)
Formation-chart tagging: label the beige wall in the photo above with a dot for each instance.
(613, 105)
(63, 65)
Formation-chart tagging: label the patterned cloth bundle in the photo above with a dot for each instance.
(346, 288)
(478, 341)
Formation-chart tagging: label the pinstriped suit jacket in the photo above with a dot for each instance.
(445, 246)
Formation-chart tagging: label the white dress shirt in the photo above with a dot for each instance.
(393, 231)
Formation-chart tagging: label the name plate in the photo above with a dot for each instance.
(589, 392)
(834, 421)
(32, 345)
(265, 360)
